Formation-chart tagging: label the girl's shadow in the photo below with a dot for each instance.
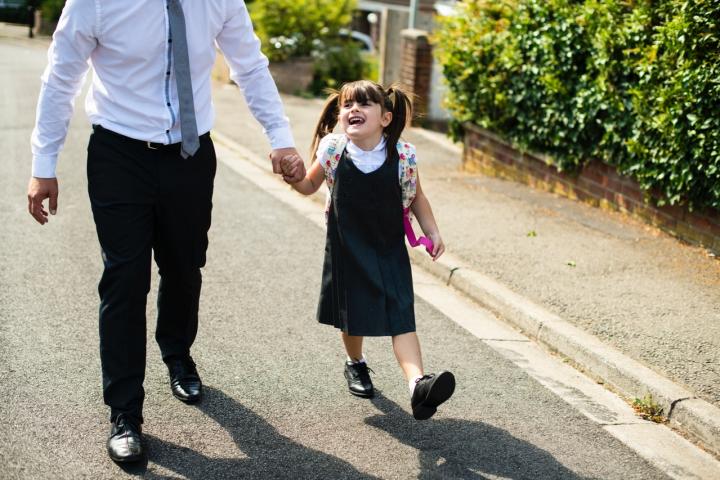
(269, 454)
(454, 448)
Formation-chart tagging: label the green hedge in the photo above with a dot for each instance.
(633, 83)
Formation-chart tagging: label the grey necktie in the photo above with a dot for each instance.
(188, 126)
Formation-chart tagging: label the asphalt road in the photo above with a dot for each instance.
(276, 404)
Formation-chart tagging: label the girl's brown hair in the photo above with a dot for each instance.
(392, 99)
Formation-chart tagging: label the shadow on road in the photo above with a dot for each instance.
(447, 448)
(268, 453)
(453, 448)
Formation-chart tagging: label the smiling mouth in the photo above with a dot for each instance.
(356, 121)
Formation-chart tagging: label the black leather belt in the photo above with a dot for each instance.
(149, 145)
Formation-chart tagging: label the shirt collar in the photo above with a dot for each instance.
(355, 150)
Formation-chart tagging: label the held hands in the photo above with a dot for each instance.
(287, 162)
(38, 190)
(292, 166)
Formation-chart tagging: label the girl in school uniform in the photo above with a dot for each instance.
(373, 185)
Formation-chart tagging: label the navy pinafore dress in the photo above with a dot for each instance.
(366, 287)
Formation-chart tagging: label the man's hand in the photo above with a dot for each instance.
(38, 190)
(290, 166)
(277, 155)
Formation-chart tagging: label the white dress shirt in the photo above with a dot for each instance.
(133, 88)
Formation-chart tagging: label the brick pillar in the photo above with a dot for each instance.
(416, 71)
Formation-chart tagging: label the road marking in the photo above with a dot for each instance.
(658, 444)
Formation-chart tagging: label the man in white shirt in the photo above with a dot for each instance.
(150, 151)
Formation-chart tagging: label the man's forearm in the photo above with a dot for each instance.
(73, 42)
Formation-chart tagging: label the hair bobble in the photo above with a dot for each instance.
(390, 93)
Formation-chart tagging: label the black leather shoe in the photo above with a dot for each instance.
(358, 379)
(184, 379)
(430, 391)
(125, 441)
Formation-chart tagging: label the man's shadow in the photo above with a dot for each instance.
(455, 448)
(269, 454)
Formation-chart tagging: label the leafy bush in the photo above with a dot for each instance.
(471, 46)
(51, 9)
(311, 28)
(635, 84)
(677, 103)
(339, 61)
(289, 28)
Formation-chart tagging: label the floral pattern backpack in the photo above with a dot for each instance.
(407, 177)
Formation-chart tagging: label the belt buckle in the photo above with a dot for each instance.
(150, 146)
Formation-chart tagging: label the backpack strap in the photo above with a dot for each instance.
(330, 158)
(408, 185)
(408, 172)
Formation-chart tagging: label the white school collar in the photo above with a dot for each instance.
(355, 150)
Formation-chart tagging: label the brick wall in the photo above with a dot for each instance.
(597, 184)
(416, 70)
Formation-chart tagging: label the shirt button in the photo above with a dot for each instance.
(169, 40)
(168, 104)
(167, 73)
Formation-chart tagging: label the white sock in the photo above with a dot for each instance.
(413, 382)
(362, 359)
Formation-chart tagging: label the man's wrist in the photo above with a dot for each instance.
(43, 166)
(280, 138)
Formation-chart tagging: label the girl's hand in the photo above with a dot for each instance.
(290, 165)
(438, 245)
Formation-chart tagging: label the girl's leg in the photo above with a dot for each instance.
(353, 346)
(407, 352)
(356, 369)
(427, 391)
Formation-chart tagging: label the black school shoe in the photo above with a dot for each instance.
(358, 379)
(185, 382)
(124, 444)
(430, 391)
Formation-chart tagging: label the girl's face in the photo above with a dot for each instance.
(363, 120)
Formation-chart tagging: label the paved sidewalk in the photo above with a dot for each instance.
(567, 274)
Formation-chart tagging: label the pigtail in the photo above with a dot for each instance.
(401, 114)
(326, 123)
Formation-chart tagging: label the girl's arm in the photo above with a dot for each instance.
(423, 212)
(313, 178)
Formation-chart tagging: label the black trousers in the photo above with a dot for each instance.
(147, 200)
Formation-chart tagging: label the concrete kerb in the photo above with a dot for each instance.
(693, 416)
